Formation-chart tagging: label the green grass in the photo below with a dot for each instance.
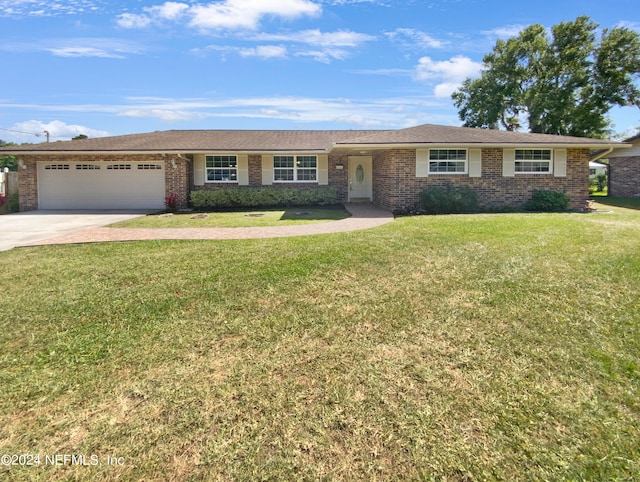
(597, 194)
(234, 219)
(466, 347)
(630, 203)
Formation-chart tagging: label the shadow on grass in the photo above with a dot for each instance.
(621, 202)
(327, 213)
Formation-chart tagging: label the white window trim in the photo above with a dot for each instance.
(550, 161)
(295, 169)
(435, 173)
(207, 169)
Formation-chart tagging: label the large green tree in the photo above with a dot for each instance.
(8, 161)
(564, 83)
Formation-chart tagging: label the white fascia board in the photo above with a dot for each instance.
(480, 145)
(172, 152)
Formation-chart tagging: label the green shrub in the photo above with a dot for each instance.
(448, 200)
(13, 206)
(547, 201)
(9, 204)
(263, 197)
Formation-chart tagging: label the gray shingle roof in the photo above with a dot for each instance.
(189, 141)
(436, 134)
(203, 141)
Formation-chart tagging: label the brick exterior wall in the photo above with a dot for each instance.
(28, 184)
(339, 178)
(396, 186)
(624, 176)
(176, 179)
(255, 170)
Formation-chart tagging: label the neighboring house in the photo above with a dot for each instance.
(389, 168)
(624, 170)
(597, 169)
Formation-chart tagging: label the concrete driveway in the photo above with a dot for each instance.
(23, 228)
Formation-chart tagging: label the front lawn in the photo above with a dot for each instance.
(624, 202)
(235, 219)
(463, 347)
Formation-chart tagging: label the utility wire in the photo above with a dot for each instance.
(21, 132)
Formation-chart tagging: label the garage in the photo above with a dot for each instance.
(101, 185)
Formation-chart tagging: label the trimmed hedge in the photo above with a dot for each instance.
(251, 197)
(448, 200)
(9, 204)
(547, 201)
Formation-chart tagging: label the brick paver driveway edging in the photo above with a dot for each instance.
(363, 216)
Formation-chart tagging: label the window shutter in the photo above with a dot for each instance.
(508, 162)
(267, 169)
(243, 170)
(422, 162)
(323, 169)
(475, 162)
(560, 163)
(198, 170)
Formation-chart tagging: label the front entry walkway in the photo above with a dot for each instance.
(363, 216)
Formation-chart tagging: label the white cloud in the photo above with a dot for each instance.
(131, 20)
(225, 15)
(78, 47)
(450, 72)
(331, 45)
(264, 51)
(384, 112)
(359, 120)
(260, 51)
(169, 10)
(168, 115)
(630, 25)
(340, 38)
(83, 52)
(325, 55)
(504, 32)
(40, 8)
(34, 131)
(415, 39)
(389, 72)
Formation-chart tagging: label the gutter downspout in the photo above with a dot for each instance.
(601, 155)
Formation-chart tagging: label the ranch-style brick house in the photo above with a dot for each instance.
(624, 170)
(386, 167)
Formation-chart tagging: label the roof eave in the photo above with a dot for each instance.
(160, 151)
(417, 145)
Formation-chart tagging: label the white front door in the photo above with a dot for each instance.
(360, 178)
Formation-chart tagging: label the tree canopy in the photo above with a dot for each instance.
(8, 161)
(564, 83)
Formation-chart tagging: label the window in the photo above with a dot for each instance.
(533, 161)
(87, 167)
(221, 168)
(450, 161)
(295, 168)
(57, 167)
(119, 167)
(149, 167)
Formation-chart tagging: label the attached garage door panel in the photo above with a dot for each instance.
(101, 185)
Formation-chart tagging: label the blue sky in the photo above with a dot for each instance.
(100, 67)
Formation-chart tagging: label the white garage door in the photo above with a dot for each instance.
(101, 185)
